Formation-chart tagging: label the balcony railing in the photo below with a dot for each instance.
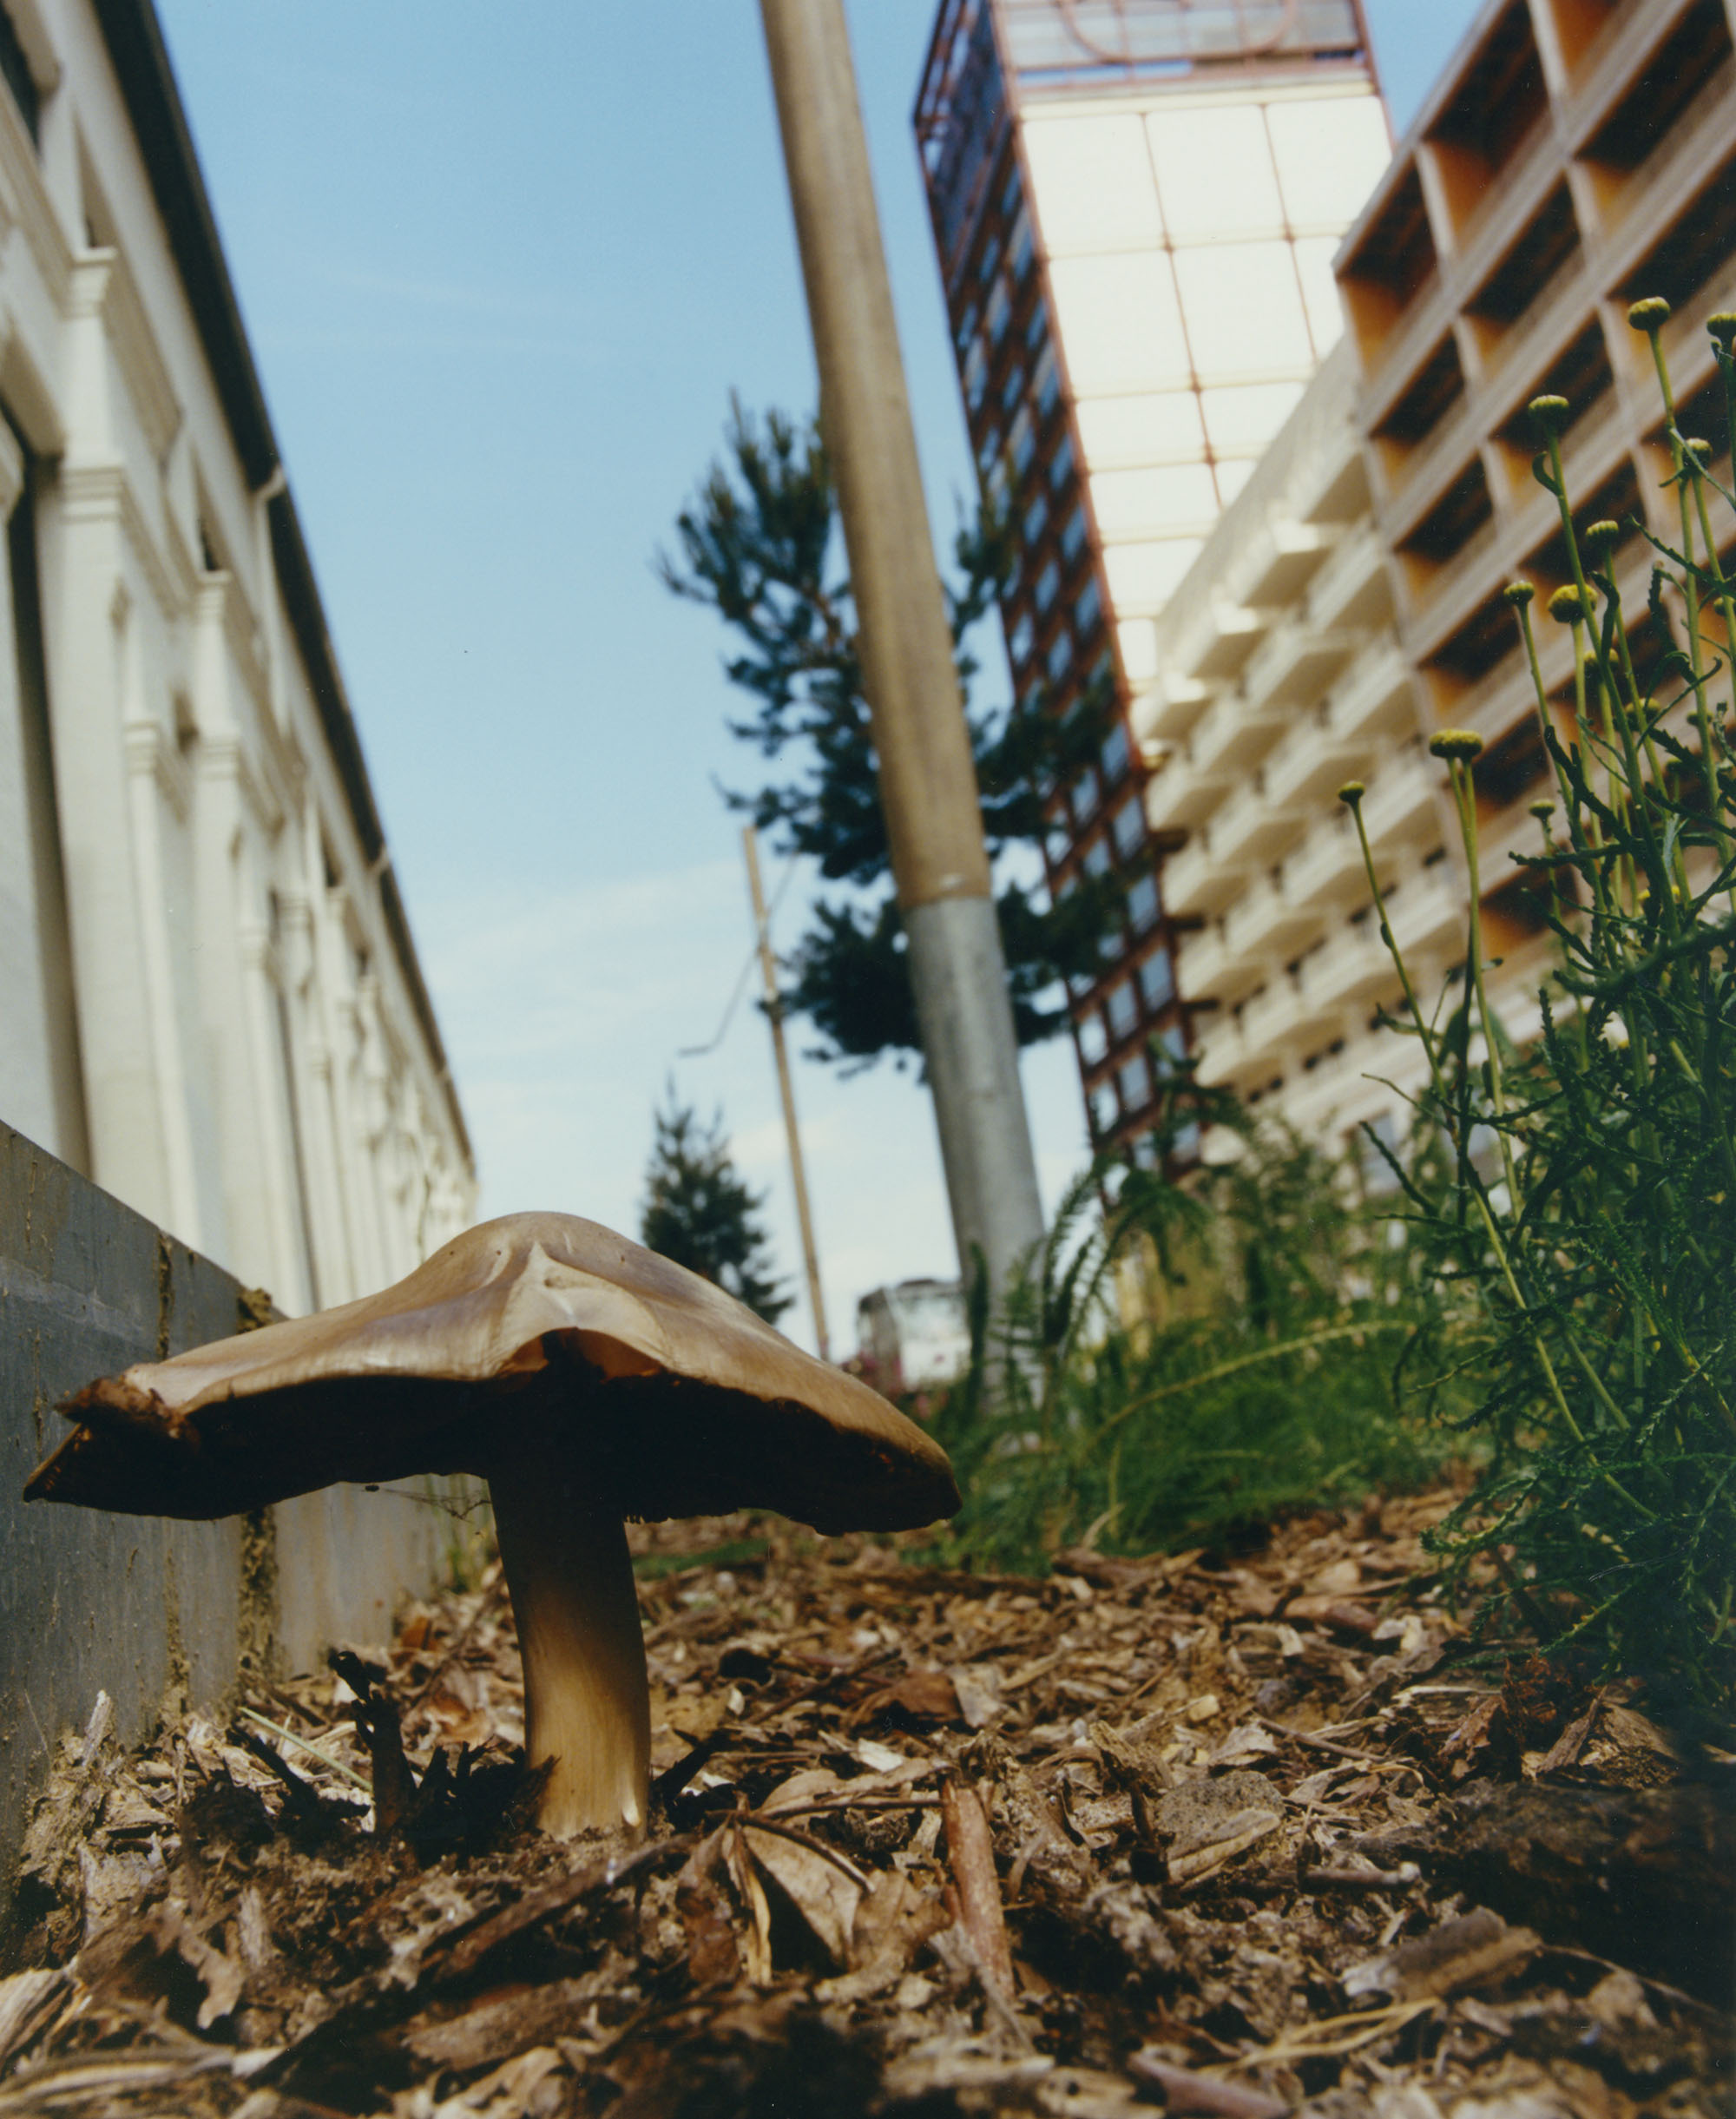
(1185, 793)
(1427, 914)
(1309, 764)
(1199, 880)
(1285, 556)
(1210, 970)
(1374, 697)
(1399, 806)
(1342, 584)
(1354, 965)
(1231, 736)
(1166, 710)
(1296, 666)
(1252, 831)
(1326, 868)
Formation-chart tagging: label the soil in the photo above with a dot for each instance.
(1238, 1832)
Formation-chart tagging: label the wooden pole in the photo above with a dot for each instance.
(774, 1016)
(928, 781)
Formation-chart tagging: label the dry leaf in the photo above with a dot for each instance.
(971, 1853)
(819, 1889)
(756, 1944)
(893, 1922)
(978, 1687)
(1247, 1740)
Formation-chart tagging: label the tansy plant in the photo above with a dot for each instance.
(1580, 1196)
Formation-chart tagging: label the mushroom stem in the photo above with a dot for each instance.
(587, 1704)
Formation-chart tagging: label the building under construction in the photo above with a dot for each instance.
(1136, 204)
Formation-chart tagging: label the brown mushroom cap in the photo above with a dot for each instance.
(694, 1404)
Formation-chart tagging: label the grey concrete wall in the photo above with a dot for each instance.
(153, 1613)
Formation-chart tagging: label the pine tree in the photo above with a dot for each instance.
(699, 1212)
(761, 544)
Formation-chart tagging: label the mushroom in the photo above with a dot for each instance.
(588, 1380)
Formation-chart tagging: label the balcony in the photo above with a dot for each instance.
(1354, 965)
(1374, 695)
(1269, 924)
(1309, 767)
(1296, 666)
(1427, 914)
(1417, 481)
(1165, 711)
(1231, 737)
(1252, 831)
(1199, 880)
(1210, 969)
(1218, 644)
(1351, 588)
(1182, 792)
(1222, 1051)
(1326, 869)
(1352, 1085)
(1281, 1023)
(1286, 557)
(1400, 808)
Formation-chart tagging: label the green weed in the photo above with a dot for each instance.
(1577, 1200)
(1278, 1323)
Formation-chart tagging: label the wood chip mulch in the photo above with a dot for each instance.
(1236, 1833)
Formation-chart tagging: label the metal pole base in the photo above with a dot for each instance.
(960, 978)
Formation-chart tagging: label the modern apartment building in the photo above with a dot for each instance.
(1281, 676)
(209, 999)
(1136, 205)
(1576, 155)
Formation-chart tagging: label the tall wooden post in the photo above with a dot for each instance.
(928, 782)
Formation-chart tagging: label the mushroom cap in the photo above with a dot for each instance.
(692, 1404)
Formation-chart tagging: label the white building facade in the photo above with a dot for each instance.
(209, 998)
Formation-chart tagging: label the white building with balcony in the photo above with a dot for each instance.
(1280, 676)
(1574, 156)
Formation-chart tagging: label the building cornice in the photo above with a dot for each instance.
(136, 50)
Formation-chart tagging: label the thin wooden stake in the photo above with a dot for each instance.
(774, 1016)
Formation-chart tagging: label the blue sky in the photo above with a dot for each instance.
(502, 267)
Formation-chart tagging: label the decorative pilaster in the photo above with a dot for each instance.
(38, 1027)
(124, 1088)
